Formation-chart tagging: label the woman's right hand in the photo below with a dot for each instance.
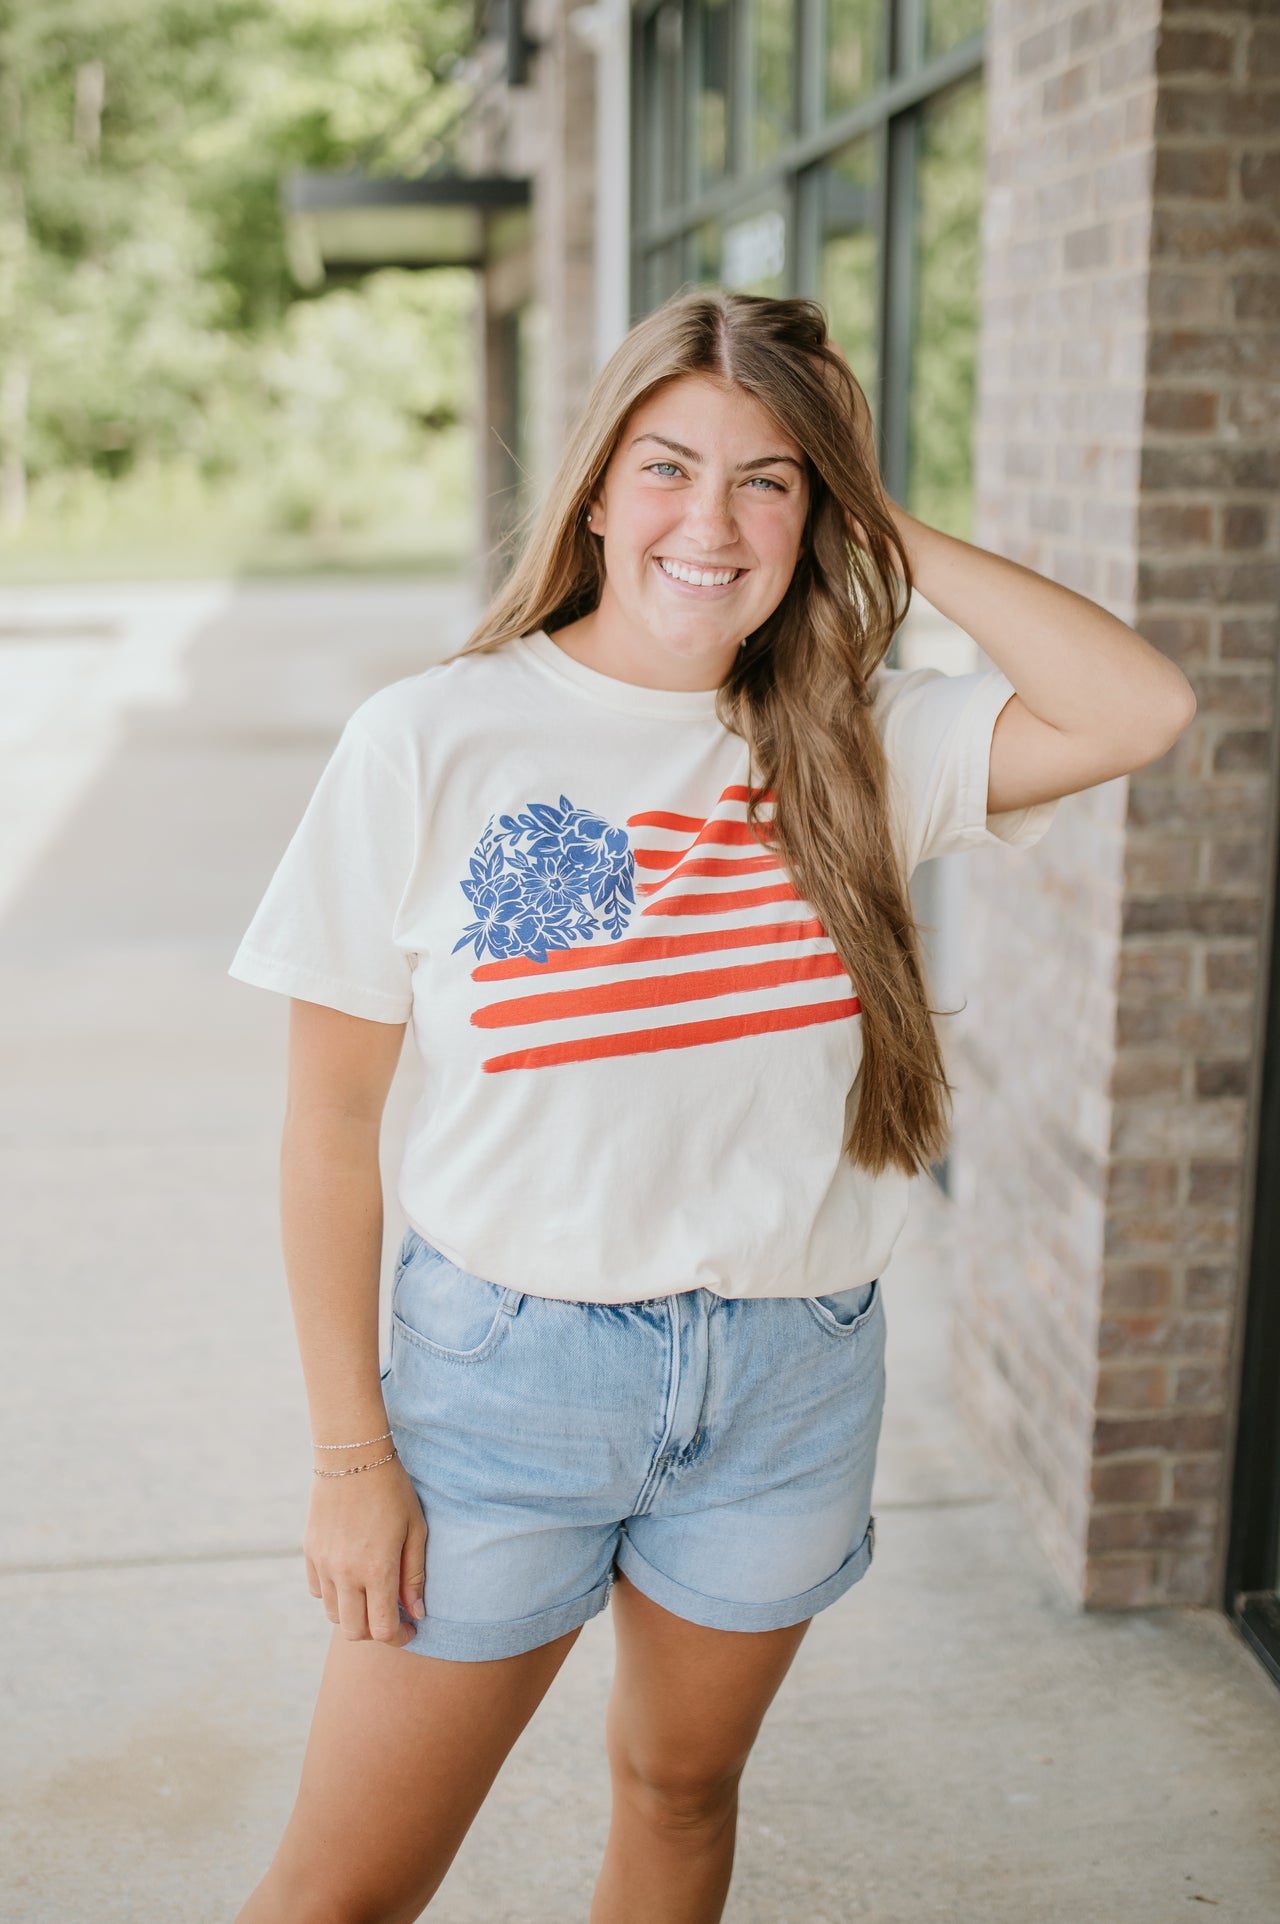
(365, 1550)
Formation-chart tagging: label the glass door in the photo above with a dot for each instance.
(1253, 1556)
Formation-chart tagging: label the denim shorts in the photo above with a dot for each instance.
(719, 1451)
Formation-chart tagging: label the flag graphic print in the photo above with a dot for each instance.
(678, 931)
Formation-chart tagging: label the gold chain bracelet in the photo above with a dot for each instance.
(351, 1446)
(357, 1467)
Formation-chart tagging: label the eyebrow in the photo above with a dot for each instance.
(691, 454)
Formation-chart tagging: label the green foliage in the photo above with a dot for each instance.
(143, 284)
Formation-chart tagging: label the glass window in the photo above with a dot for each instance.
(853, 43)
(707, 253)
(663, 107)
(715, 78)
(754, 253)
(848, 253)
(773, 41)
(662, 273)
(944, 320)
(948, 22)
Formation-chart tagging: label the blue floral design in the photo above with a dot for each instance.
(545, 879)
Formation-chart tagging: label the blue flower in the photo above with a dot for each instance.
(547, 878)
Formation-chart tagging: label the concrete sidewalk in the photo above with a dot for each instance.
(953, 1742)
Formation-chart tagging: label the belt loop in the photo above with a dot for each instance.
(511, 1300)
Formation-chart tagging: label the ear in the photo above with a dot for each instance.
(593, 513)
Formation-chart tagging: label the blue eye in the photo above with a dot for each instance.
(768, 481)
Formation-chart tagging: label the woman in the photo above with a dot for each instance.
(635, 861)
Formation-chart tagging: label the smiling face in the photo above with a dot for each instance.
(701, 512)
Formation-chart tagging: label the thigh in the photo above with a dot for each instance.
(687, 1702)
(402, 1752)
(765, 1518)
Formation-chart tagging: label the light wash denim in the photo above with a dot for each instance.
(719, 1451)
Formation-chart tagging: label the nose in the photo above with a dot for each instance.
(709, 522)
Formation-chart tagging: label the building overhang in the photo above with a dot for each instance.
(343, 224)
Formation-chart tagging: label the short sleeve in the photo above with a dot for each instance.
(325, 931)
(937, 729)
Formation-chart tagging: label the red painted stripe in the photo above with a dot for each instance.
(655, 991)
(719, 904)
(723, 834)
(683, 1035)
(714, 865)
(650, 948)
(663, 818)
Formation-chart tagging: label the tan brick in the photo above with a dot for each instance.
(1177, 1527)
(1213, 1182)
(1136, 1286)
(1208, 1284)
(1196, 1478)
(1231, 969)
(1185, 50)
(1244, 525)
(1189, 1577)
(1188, 1433)
(1140, 1186)
(1138, 1074)
(1138, 1479)
(1193, 173)
(1122, 1388)
(1230, 1078)
(1120, 1583)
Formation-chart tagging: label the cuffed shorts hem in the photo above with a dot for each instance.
(718, 1613)
(481, 1642)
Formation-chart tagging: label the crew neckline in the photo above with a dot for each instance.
(689, 704)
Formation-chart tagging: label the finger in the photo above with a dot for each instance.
(382, 1606)
(329, 1597)
(313, 1578)
(413, 1572)
(353, 1616)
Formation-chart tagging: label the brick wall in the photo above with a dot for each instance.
(1127, 436)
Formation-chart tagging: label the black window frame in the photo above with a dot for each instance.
(890, 114)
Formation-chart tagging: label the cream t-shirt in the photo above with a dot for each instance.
(638, 1045)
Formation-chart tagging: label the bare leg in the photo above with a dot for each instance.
(684, 1711)
(401, 1755)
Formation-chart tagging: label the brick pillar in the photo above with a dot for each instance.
(1127, 446)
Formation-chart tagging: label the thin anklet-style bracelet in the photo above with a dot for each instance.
(352, 1446)
(357, 1467)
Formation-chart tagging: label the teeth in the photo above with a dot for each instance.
(699, 578)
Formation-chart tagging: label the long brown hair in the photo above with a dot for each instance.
(798, 692)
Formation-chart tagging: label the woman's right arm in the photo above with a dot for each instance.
(365, 1537)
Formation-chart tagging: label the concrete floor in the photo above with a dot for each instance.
(954, 1740)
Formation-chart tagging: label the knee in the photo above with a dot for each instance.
(674, 1794)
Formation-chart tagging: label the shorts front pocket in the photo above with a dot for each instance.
(846, 1311)
(446, 1311)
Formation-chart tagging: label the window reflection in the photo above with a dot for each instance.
(853, 40)
(848, 252)
(944, 321)
(662, 273)
(948, 22)
(663, 99)
(707, 245)
(715, 73)
(773, 39)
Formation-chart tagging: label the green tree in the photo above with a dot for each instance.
(144, 292)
